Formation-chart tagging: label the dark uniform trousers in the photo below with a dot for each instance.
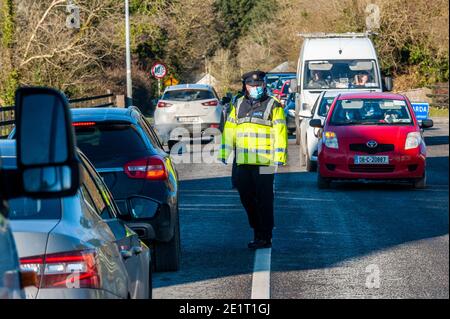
(255, 186)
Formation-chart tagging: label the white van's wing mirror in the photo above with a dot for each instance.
(293, 86)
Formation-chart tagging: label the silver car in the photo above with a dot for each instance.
(186, 111)
(76, 244)
(10, 287)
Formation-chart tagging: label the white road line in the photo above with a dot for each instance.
(261, 274)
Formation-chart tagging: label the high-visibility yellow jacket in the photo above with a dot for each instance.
(261, 140)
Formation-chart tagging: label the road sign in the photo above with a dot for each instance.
(159, 70)
(421, 110)
(171, 81)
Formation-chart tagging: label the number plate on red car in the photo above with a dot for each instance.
(359, 159)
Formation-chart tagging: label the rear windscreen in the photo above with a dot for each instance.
(27, 208)
(188, 95)
(102, 141)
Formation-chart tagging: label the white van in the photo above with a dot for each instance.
(335, 62)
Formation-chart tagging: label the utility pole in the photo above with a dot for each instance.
(129, 96)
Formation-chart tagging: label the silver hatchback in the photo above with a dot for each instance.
(186, 111)
(76, 244)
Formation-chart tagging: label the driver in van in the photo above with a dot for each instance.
(317, 80)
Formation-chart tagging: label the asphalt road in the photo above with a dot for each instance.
(352, 241)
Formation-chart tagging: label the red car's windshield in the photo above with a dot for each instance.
(371, 111)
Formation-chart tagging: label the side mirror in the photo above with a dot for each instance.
(47, 162)
(317, 123)
(293, 86)
(388, 84)
(305, 114)
(426, 123)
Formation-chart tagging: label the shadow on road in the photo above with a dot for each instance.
(327, 228)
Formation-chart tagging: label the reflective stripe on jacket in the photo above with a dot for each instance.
(257, 141)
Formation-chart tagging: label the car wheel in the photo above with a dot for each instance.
(323, 183)
(420, 183)
(311, 166)
(168, 254)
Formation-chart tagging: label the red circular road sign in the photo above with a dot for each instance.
(159, 70)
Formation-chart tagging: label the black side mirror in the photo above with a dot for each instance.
(426, 123)
(47, 163)
(316, 123)
(388, 84)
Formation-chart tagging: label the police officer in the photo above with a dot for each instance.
(256, 130)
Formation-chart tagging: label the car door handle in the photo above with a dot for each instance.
(137, 250)
(126, 254)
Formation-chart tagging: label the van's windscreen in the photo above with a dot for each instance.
(341, 74)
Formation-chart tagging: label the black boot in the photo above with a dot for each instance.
(260, 241)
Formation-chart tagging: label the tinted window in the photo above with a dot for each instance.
(27, 208)
(324, 106)
(188, 95)
(108, 140)
(370, 111)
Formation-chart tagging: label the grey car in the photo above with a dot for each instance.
(77, 245)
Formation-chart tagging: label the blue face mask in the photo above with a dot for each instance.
(256, 92)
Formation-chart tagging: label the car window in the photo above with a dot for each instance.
(95, 194)
(28, 208)
(188, 95)
(371, 111)
(340, 74)
(324, 105)
(107, 140)
(150, 133)
(104, 192)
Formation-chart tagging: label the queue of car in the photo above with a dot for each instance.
(81, 242)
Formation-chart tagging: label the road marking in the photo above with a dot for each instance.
(261, 274)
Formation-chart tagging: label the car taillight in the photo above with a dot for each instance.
(151, 168)
(164, 104)
(77, 124)
(76, 269)
(211, 103)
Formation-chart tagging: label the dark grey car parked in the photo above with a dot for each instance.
(127, 153)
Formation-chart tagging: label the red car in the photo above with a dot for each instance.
(371, 136)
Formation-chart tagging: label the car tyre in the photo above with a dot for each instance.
(167, 256)
(311, 166)
(323, 183)
(420, 183)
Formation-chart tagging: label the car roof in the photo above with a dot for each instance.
(101, 114)
(8, 156)
(342, 48)
(189, 86)
(371, 95)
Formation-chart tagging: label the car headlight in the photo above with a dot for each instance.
(413, 140)
(330, 140)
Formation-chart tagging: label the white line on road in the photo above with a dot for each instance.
(261, 274)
